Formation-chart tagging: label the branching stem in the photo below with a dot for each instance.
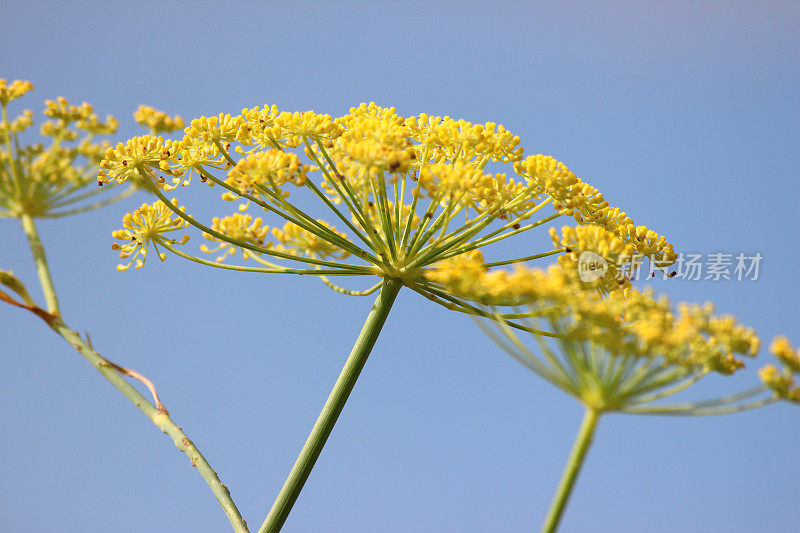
(114, 374)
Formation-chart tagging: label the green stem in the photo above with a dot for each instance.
(40, 259)
(333, 407)
(161, 419)
(110, 371)
(576, 457)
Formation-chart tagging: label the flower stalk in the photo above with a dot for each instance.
(576, 458)
(39, 183)
(39, 257)
(362, 169)
(112, 372)
(333, 407)
(619, 351)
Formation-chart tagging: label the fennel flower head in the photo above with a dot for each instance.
(51, 179)
(370, 193)
(623, 350)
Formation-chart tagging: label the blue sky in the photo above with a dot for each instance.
(684, 114)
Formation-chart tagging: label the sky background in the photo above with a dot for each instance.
(684, 114)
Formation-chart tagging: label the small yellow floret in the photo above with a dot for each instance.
(11, 92)
(267, 170)
(145, 225)
(240, 228)
(156, 120)
(783, 350)
(137, 158)
(296, 240)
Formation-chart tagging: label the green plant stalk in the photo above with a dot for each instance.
(162, 420)
(159, 417)
(333, 407)
(40, 259)
(570, 474)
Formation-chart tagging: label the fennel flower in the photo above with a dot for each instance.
(370, 194)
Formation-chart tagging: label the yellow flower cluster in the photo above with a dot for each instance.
(451, 139)
(412, 191)
(147, 225)
(257, 125)
(616, 254)
(296, 240)
(587, 205)
(268, 127)
(157, 121)
(15, 90)
(473, 189)
(626, 323)
(45, 180)
(466, 276)
(136, 159)
(220, 129)
(713, 340)
(19, 124)
(239, 227)
(780, 382)
(546, 175)
(292, 128)
(61, 109)
(648, 243)
(444, 179)
(268, 170)
(94, 125)
(372, 141)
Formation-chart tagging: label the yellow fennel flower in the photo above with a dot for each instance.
(144, 226)
(157, 121)
(616, 352)
(786, 354)
(408, 193)
(269, 169)
(582, 241)
(296, 240)
(781, 382)
(12, 91)
(239, 227)
(136, 159)
(222, 128)
(50, 178)
(291, 128)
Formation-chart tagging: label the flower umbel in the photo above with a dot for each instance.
(49, 179)
(410, 196)
(619, 352)
(408, 192)
(614, 352)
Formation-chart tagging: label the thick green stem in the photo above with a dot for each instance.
(576, 457)
(41, 263)
(333, 407)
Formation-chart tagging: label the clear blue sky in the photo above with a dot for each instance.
(684, 114)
